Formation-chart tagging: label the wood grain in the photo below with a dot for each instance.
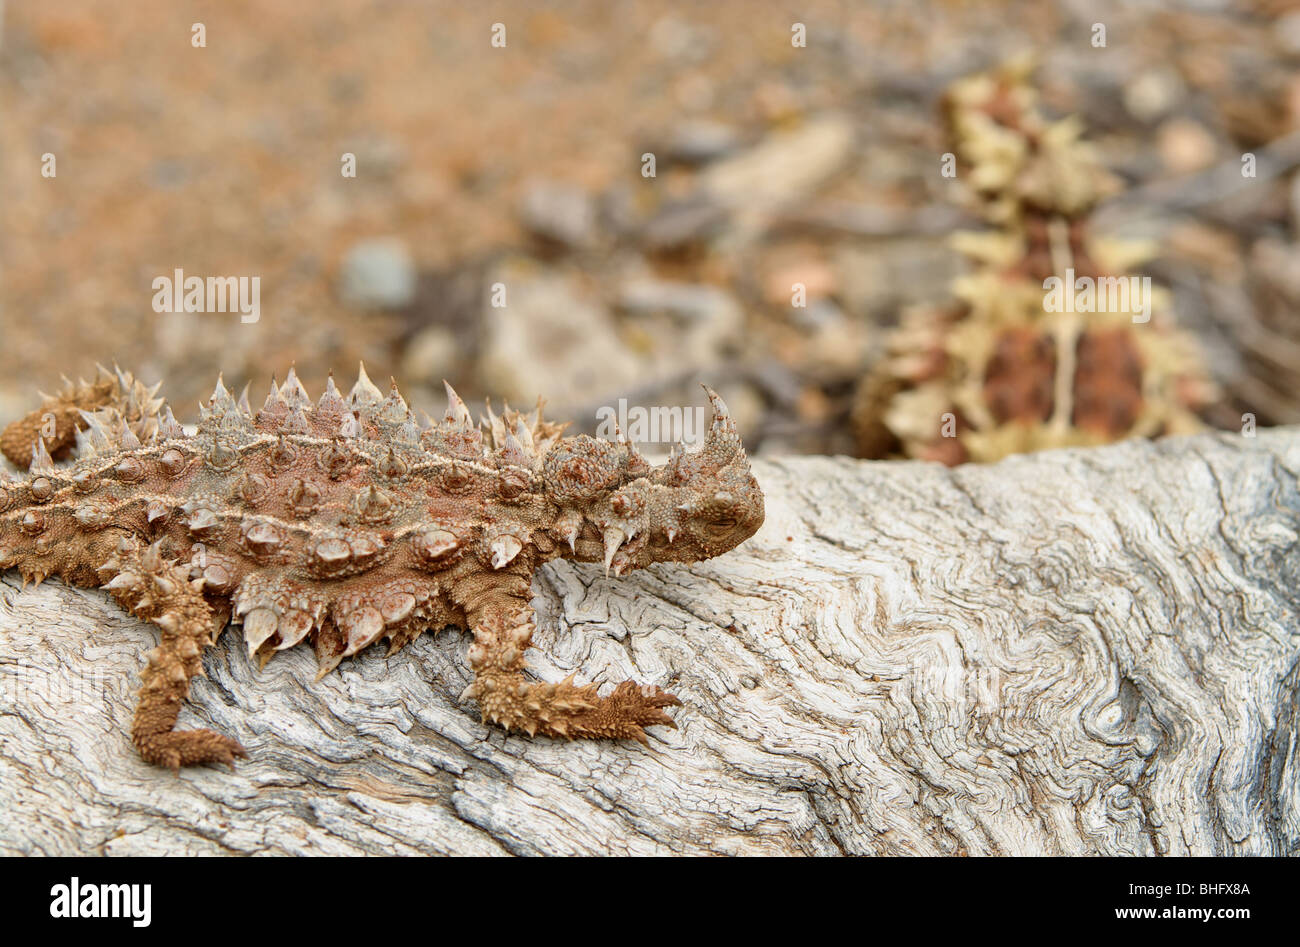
(1076, 652)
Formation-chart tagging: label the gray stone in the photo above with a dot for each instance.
(551, 339)
(1154, 93)
(1287, 31)
(680, 224)
(378, 274)
(563, 213)
(784, 167)
(700, 142)
(431, 355)
(684, 325)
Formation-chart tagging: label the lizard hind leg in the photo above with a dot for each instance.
(567, 710)
(160, 591)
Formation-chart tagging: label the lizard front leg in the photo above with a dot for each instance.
(501, 635)
(161, 592)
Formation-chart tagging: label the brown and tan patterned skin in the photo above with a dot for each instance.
(345, 521)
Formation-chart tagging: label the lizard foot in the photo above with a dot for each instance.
(177, 748)
(567, 710)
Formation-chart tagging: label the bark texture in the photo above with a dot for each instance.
(1075, 652)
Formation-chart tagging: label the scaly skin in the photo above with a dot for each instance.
(346, 521)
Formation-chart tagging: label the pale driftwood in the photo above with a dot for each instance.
(1074, 652)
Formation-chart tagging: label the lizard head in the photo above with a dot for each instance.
(618, 509)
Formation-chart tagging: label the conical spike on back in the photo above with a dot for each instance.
(364, 394)
(97, 436)
(295, 422)
(292, 392)
(41, 460)
(515, 453)
(331, 399)
(126, 437)
(220, 396)
(457, 414)
(495, 425)
(393, 410)
(637, 465)
(524, 435)
(169, 427)
(409, 433)
(273, 409)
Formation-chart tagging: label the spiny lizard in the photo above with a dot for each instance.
(348, 521)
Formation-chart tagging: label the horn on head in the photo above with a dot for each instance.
(723, 439)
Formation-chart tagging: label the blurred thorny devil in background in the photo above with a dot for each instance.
(1051, 339)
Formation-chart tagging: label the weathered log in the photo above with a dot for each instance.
(1080, 651)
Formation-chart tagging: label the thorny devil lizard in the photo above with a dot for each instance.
(347, 521)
